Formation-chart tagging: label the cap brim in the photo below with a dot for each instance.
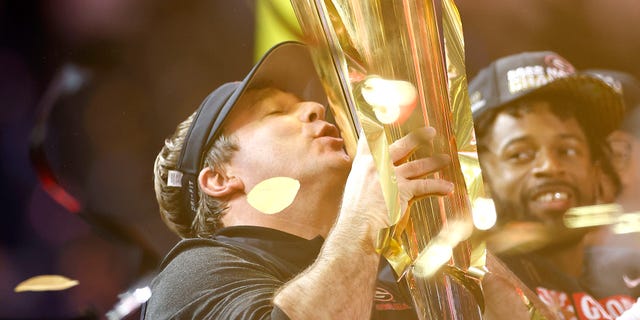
(603, 107)
(622, 82)
(287, 66)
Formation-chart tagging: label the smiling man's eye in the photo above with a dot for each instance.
(570, 152)
(524, 155)
(521, 156)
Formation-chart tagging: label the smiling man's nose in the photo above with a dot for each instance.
(548, 164)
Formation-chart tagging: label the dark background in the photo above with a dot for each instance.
(149, 63)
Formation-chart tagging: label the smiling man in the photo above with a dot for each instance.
(541, 129)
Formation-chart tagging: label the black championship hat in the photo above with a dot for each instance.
(287, 66)
(515, 77)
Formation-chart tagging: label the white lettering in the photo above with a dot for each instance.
(529, 77)
(614, 307)
(553, 73)
(591, 309)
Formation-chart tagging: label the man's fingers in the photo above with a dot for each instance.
(405, 146)
(422, 167)
(429, 187)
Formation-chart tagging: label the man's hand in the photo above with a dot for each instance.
(341, 282)
(363, 201)
(412, 183)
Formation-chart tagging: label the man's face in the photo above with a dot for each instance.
(279, 135)
(625, 157)
(537, 165)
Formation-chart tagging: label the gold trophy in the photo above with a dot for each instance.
(383, 67)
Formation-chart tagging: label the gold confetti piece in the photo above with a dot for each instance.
(273, 195)
(434, 256)
(46, 283)
(519, 237)
(627, 223)
(595, 215)
(440, 249)
(484, 213)
(603, 215)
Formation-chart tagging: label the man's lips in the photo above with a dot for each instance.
(554, 197)
(551, 196)
(329, 134)
(328, 130)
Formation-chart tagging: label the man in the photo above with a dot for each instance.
(613, 260)
(540, 130)
(256, 266)
(313, 256)
(624, 142)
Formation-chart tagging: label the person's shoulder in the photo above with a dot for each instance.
(206, 251)
(193, 262)
(204, 272)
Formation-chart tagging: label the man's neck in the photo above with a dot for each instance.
(569, 257)
(312, 213)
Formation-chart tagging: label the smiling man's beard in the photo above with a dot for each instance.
(510, 211)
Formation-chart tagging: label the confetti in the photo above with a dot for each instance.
(273, 195)
(46, 283)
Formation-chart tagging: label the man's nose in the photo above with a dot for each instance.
(548, 163)
(311, 111)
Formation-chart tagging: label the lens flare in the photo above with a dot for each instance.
(392, 101)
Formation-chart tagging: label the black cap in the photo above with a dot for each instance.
(629, 87)
(624, 83)
(287, 66)
(515, 77)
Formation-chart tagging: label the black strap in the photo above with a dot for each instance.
(215, 106)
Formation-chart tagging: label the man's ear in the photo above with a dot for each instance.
(217, 184)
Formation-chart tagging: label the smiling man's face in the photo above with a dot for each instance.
(538, 165)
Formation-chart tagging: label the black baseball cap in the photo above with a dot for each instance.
(286, 66)
(522, 75)
(628, 86)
